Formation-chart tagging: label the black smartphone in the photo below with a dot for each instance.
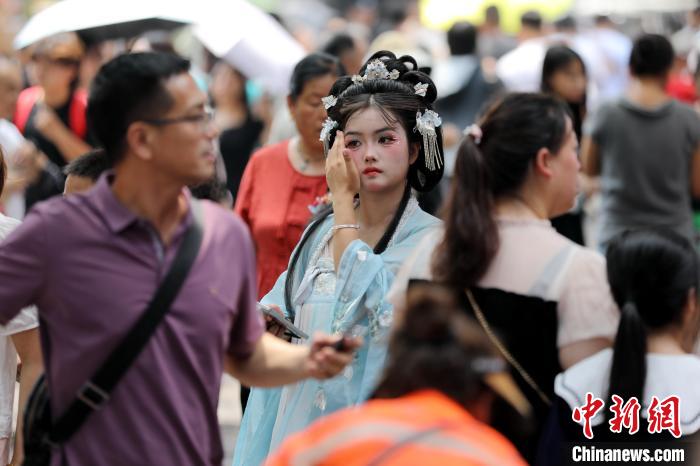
(293, 330)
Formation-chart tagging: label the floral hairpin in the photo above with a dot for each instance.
(425, 125)
(328, 126)
(474, 131)
(376, 69)
(421, 89)
(329, 101)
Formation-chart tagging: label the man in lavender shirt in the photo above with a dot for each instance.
(92, 261)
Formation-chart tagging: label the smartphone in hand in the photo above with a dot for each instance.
(289, 327)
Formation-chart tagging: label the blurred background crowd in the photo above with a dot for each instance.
(267, 64)
(244, 54)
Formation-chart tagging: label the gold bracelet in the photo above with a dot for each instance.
(345, 225)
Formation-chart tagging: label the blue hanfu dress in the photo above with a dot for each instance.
(328, 302)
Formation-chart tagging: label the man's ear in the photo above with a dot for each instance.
(543, 163)
(138, 140)
(413, 152)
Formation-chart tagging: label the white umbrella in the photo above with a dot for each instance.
(250, 40)
(98, 20)
(234, 30)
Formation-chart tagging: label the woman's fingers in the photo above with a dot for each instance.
(352, 174)
(341, 172)
(338, 146)
(332, 156)
(339, 141)
(336, 171)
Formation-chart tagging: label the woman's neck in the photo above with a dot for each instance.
(378, 209)
(521, 207)
(312, 152)
(303, 162)
(665, 342)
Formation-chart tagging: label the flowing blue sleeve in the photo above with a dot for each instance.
(255, 433)
(276, 294)
(363, 281)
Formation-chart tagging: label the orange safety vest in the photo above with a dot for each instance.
(423, 428)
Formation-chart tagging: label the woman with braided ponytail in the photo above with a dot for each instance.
(382, 139)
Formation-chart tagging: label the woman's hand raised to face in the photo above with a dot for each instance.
(341, 172)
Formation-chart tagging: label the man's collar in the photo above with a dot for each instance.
(117, 216)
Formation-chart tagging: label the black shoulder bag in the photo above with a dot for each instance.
(40, 434)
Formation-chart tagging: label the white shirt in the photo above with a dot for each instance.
(452, 74)
(520, 70)
(667, 374)
(25, 320)
(615, 49)
(10, 141)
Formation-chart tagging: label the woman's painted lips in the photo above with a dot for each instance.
(371, 171)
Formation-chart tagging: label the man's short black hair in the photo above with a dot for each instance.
(339, 44)
(90, 165)
(602, 20)
(652, 56)
(531, 19)
(461, 38)
(129, 88)
(565, 23)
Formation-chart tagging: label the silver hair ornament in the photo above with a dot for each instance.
(425, 125)
(376, 69)
(328, 126)
(329, 101)
(421, 89)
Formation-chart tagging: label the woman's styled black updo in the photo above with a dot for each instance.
(398, 102)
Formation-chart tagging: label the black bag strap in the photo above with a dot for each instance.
(95, 392)
(507, 355)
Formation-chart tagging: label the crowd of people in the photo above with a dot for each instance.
(412, 218)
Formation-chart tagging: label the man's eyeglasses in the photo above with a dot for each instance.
(204, 119)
